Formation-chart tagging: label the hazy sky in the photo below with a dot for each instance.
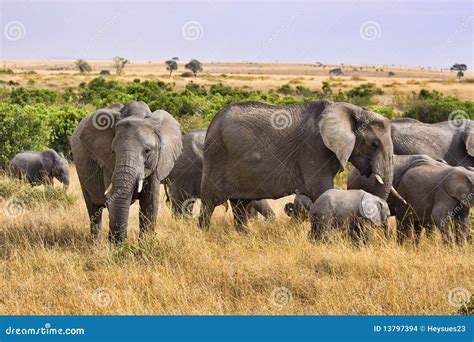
(425, 33)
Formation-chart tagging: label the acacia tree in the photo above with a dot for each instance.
(459, 75)
(119, 64)
(83, 66)
(171, 66)
(459, 67)
(194, 65)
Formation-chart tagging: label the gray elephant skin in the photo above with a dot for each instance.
(184, 180)
(121, 155)
(40, 167)
(401, 163)
(452, 141)
(356, 208)
(438, 195)
(255, 150)
(299, 208)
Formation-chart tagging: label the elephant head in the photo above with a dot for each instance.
(469, 139)
(459, 184)
(132, 145)
(58, 165)
(362, 137)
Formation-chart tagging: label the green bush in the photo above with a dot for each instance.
(26, 96)
(431, 107)
(386, 111)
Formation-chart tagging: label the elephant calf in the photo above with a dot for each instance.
(40, 167)
(357, 208)
(184, 180)
(438, 195)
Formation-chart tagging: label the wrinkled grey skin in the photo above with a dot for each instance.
(452, 141)
(300, 207)
(184, 180)
(357, 208)
(438, 194)
(123, 146)
(249, 154)
(40, 168)
(400, 165)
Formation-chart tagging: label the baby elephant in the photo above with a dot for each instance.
(40, 167)
(356, 208)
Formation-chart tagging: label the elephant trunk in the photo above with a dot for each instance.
(382, 168)
(124, 180)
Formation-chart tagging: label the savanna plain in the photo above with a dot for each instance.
(50, 265)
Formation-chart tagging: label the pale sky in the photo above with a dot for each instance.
(415, 33)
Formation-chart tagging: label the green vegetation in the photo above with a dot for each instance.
(35, 119)
(194, 65)
(83, 66)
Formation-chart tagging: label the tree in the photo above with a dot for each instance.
(171, 66)
(459, 67)
(119, 64)
(459, 75)
(194, 65)
(83, 66)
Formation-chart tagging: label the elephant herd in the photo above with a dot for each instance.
(423, 174)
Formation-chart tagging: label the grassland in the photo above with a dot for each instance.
(49, 265)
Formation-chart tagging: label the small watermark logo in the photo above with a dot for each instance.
(281, 119)
(14, 30)
(103, 297)
(281, 297)
(103, 120)
(369, 209)
(192, 30)
(14, 207)
(370, 30)
(458, 296)
(458, 119)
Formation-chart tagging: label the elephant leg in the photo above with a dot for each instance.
(239, 209)
(95, 215)
(263, 208)
(462, 226)
(356, 233)
(149, 198)
(417, 229)
(207, 208)
(442, 220)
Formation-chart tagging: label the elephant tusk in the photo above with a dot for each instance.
(140, 185)
(379, 179)
(397, 195)
(109, 190)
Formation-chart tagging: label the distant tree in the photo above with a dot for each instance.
(104, 72)
(171, 66)
(119, 64)
(459, 75)
(391, 73)
(459, 67)
(336, 71)
(175, 59)
(327, 90)
(194, 65)
(83, 66)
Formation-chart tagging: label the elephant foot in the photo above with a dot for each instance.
(242, 230)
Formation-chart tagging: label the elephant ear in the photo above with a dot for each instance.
(371, 208)
(48, 158)
(337, 131)
(171, 135)
(97, 134)
(469, 139)
(457, 184)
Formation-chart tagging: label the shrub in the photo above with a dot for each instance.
(431, 107)
(187, 74)
(104, 72)
(6, 71)
(386, 111)
(24, 96)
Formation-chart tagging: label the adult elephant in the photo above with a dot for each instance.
(184, 181)
(40, 167)
(255, 150)
(121, 155)
(452, 141)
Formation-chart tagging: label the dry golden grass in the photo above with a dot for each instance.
(48, 265)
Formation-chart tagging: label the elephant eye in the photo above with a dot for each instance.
(376, 144)
(147, 151)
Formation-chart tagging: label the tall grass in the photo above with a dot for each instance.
(49, 265)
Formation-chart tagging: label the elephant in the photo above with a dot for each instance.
(255, 150)
(121, 155)
(438, 195)
(357, 208)
(300, 207)
(40, 167)
(401, 163)
(184, 181)
(452, 141)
